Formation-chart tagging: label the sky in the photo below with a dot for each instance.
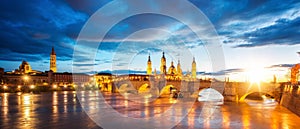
(259, 38)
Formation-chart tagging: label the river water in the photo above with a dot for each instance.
(63, 110)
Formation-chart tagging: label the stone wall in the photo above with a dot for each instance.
(291, 98)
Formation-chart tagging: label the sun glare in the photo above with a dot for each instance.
(256, 75)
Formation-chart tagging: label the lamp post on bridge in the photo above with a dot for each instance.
(25, 78)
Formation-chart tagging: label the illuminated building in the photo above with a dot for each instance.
(172, 69)
(24, 67)
(179, 71)
(149, 66)
(194, 70)
(173, 72)
(53, 60)
(37, 78)
(61, 79)
(163, 67)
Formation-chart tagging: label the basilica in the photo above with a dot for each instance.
(174, 71)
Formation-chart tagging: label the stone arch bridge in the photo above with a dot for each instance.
(231, 91)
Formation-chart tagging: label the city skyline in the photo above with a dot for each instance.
(255, 39)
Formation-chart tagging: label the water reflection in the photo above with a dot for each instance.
(63, 110)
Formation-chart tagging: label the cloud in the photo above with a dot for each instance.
(226, 72)
(281, 66)
(262, 25)
(123, 72)
(283, 32)
(30, 29)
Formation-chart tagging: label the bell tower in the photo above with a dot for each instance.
(179, 71)
(194, 70)
(53, 60)
(149, 66)
(163, 67)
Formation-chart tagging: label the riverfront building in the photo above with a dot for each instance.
(26, 76)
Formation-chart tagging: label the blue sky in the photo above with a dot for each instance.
(254, 34)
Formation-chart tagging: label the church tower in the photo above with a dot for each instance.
(172, 69)
(179, 71)
(194, 70)
(53, 60)
(149, 66)
(163, 67)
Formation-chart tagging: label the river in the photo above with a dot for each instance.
(63, 110)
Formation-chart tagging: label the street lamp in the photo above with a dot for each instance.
(26, 78)
(32, 86)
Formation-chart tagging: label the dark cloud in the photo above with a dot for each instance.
(225, 72)
(284, 32)
(123, 72)
(80, 65)
(281, 66)
(28, 30)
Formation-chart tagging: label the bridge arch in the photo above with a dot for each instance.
(167, 90)
(144, 88)
(243, 97)
(210, 94)
(126, 88)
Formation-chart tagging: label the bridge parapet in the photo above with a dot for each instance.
(291, 97)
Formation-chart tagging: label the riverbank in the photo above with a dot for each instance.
(37, 89)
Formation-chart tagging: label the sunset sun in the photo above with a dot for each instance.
(255, 75)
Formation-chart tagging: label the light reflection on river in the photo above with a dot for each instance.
(63, 110)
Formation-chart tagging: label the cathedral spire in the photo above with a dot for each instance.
(194, 69)
(53, 52)
(163, 67)
(179, 71)
(149, 66)
(149, 60)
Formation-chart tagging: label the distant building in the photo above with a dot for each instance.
(53, 60)
(172, 69)
(149, 66)
(1, 76)
(61, 79)
(24, 67)
(194, 69)
(26, 76)
(1, 71)
(179, 71)
(24, 79)
(163, 67)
